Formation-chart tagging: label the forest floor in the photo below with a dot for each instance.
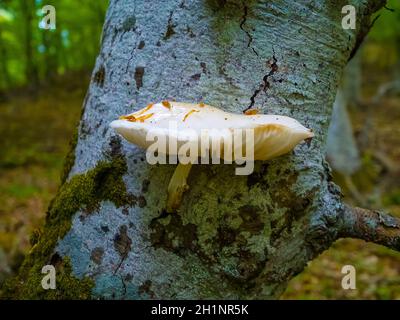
(35, 131)
(35, 139)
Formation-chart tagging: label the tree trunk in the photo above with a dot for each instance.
(5, 78)
(396, 71)
(51, 41)
(234, 236)
(31, 70)
(351, 82)
(342, 152)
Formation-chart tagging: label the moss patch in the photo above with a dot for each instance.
(67, 286)
(70, 158)
(82, 192)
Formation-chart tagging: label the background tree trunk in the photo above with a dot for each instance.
(342, 152)
(341, 148)
(234, 236)
(5, 78)
(31, 70)
(51, 42)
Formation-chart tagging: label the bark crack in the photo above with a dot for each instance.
(242, 27)
(170, 28)
(170, 31)
(123, 286)
(265, 85)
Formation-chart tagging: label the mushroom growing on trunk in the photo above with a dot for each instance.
(207, 131)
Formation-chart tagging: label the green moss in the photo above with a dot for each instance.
(70, 158)
(67, 286)
(228, 18)
(82, 192)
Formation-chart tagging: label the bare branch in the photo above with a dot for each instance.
(372, 226)
(366, 24)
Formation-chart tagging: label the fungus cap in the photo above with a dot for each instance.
(274, 135)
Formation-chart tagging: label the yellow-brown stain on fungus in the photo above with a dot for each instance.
(270, 127)
(189, 113)
(130, 118)
(148, 107)
(166, 104)
(133, 118)
(251, 112)
(142, 118)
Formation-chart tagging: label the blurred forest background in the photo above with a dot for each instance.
(44, 75)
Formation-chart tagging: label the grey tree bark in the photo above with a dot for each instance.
(234, 236)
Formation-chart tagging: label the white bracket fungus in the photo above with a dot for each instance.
(272, 136)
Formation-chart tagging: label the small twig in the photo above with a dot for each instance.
(389, 165)
(372, 226)
(389, 9)
(384, 90)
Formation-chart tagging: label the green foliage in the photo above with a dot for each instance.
(387, 26)
(29, 54)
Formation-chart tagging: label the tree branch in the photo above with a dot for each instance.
(366, 23)
(372, 226)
